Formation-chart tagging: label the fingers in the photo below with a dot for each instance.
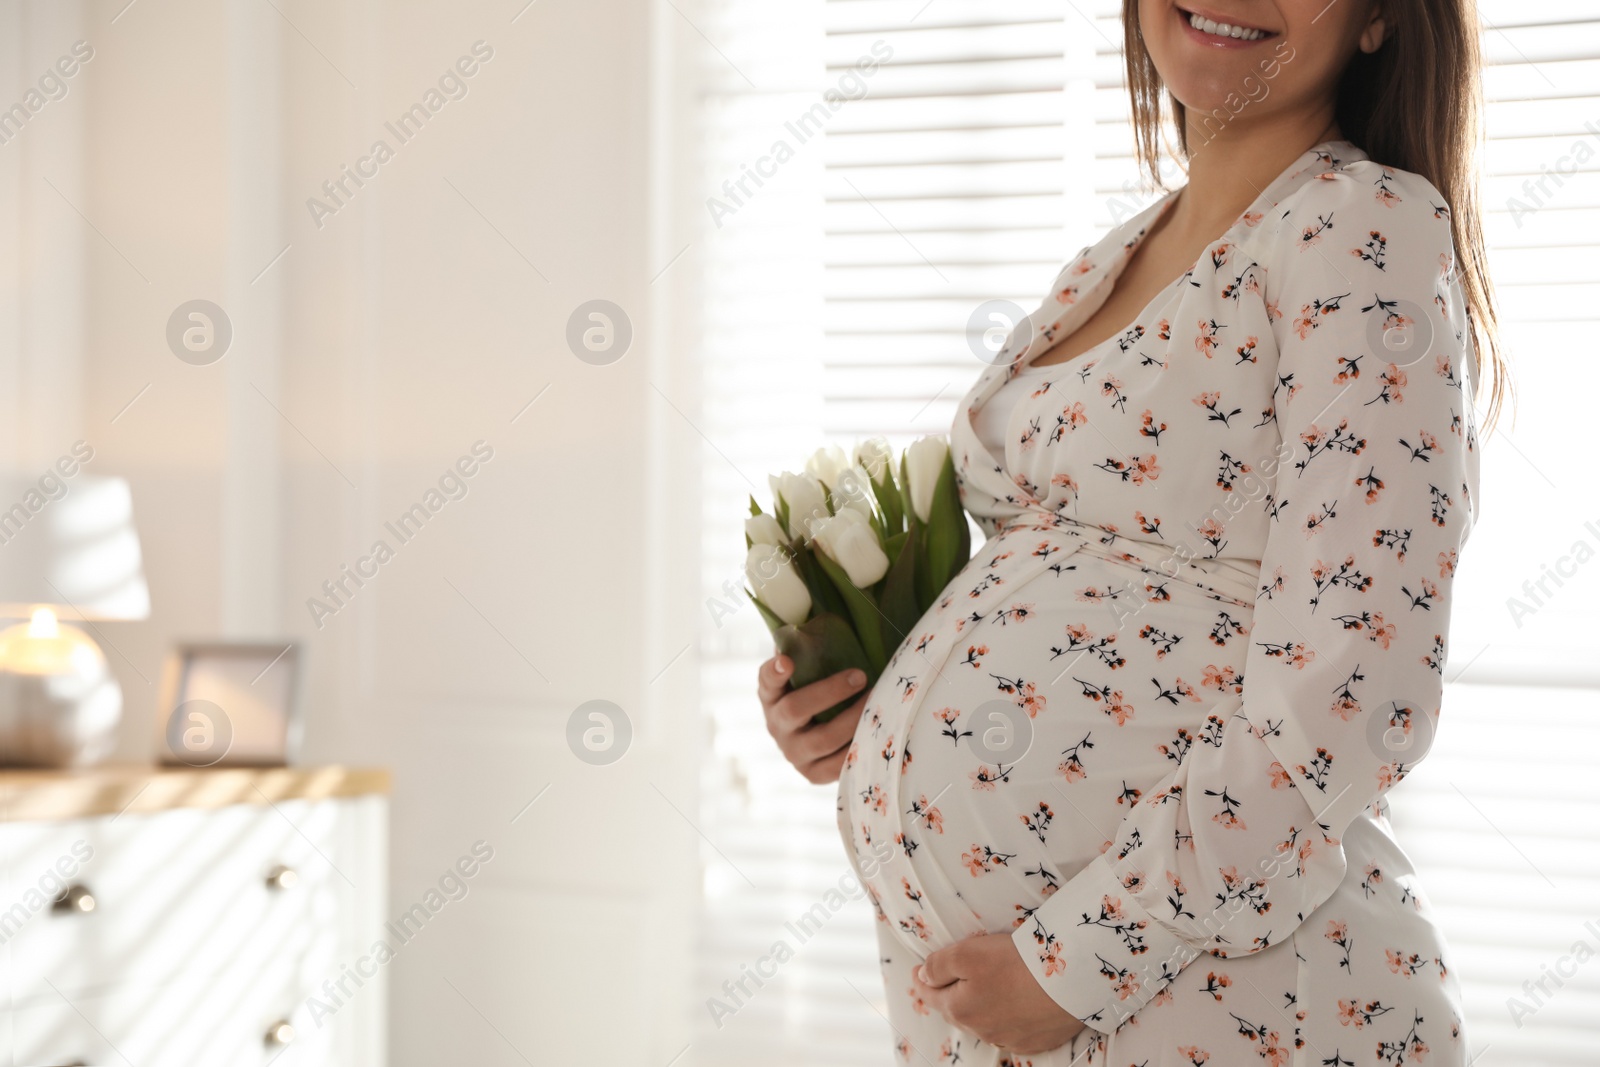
(773, 677)
(795, 710)
(817, 750)
(937, 971)
(825, 770)
(967, 958)
(833, 736)
(940, 995)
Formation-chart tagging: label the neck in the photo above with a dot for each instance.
(1229, 168)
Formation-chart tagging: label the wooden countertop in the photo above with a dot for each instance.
(48, 795)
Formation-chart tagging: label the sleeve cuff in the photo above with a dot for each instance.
(1096, 951)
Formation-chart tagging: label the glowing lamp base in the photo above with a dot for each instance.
(59, 703)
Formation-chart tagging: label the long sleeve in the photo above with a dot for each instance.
(1372, 497)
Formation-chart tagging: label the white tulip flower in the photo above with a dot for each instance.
(826, 463)
(773, 579)
(852, 490)
(763, 529)
(803, 495)
(924, 463)
(872, 455)
(850, 541)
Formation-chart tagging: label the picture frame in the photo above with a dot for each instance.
(230, 703)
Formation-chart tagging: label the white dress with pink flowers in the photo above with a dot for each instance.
(1148, 730)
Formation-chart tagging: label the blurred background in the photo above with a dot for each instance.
(536, 294)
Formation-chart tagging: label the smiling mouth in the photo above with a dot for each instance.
(1223, 29)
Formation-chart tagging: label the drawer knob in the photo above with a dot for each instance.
(281, 877)
(279, 1034)
(76, 900)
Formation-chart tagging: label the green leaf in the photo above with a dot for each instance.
(755, 509)
(949, 540)
(820, 648)
(905, 494)
(863, 611)
(824, 596)
(898, 600)
(876, 522)
(923, 582)
(888, 496)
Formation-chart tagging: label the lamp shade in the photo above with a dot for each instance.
(70, 544)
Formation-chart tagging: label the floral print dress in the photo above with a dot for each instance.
(1147, 731)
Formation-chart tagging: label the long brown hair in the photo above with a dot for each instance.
(1414, 104)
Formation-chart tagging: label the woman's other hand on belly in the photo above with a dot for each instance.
(817, 752)
(981, 985)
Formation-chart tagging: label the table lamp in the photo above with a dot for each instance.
(69, 554)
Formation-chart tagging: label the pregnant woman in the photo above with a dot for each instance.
(1120, 796)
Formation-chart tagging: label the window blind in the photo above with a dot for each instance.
(771, 852)
(989, 144)
(835, 308)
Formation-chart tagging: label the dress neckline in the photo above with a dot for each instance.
(1109, 279)
(1053, 315)
(1039, 368)
(1104, 281)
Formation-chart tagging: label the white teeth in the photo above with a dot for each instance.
(1222, 29)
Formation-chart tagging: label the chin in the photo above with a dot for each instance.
(1216, 56)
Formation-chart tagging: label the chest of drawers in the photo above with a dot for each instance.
(169, 918)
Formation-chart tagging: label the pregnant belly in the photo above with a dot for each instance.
(1079, 693)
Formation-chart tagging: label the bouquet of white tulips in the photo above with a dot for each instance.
(852, 557)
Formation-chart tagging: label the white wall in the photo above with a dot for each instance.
(42, 259)
(420, 318)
